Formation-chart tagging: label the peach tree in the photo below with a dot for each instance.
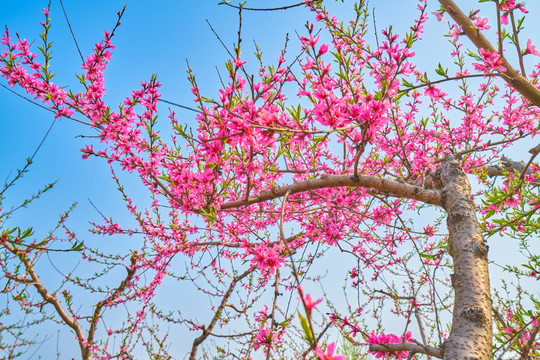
(349, 150)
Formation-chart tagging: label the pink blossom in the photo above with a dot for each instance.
(504, 18)
(329, 355)
(429, 230)
(266, 259)
(492, 61)
(310, 304)
(521, 7)
(323, 49)
(481, 23)
(434, 92)
(439, 15)
(87, 151)
(311, 41)
(512, 202)
(238, 62)
(262, 315)
(508, 6)
(5, 38)
(389, 339)
(265, 337)
(531, 49)
(455, 32)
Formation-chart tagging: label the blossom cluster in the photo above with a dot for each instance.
(383, 338)
(362, 110)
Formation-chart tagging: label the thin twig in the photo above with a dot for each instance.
(499, 34)
(447, 79)
(41, 106)
(180, 106)
(263, 9)
(71, 31)
(516, 42)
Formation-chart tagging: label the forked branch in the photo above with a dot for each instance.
(511, 75)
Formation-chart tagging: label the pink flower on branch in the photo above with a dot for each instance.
(238, 62)
(507, 6)
(482, 23)
(531, 49)
(492, 62)
(329, 355)
(266, 338)
(389, 339)
(267, 259)
(6, 38)
(439, 15)
(309, 42)
(323, 49)
(455, 32)
(249, 135)
(309, 303)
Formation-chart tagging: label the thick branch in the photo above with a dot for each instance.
(511, 75)
(391, 187)
(508, 165)
(411, 348)
(471, 335)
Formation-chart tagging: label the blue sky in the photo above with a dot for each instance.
(155, 37)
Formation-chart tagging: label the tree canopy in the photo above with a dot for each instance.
(344, 154)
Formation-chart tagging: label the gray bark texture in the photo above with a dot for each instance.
(471, 335)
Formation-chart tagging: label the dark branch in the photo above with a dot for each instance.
(41, 106)
(181, 106)
(263, 9)
(71, 31)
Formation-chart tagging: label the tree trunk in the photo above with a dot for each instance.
(471, 335)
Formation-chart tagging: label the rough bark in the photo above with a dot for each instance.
(471, 335)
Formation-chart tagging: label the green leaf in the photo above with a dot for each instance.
(427, 256)
(441, 71)
(306, 328)
(406, 83)
(78, 246)
(28, 232)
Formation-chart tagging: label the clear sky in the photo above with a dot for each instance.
(155, 37)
